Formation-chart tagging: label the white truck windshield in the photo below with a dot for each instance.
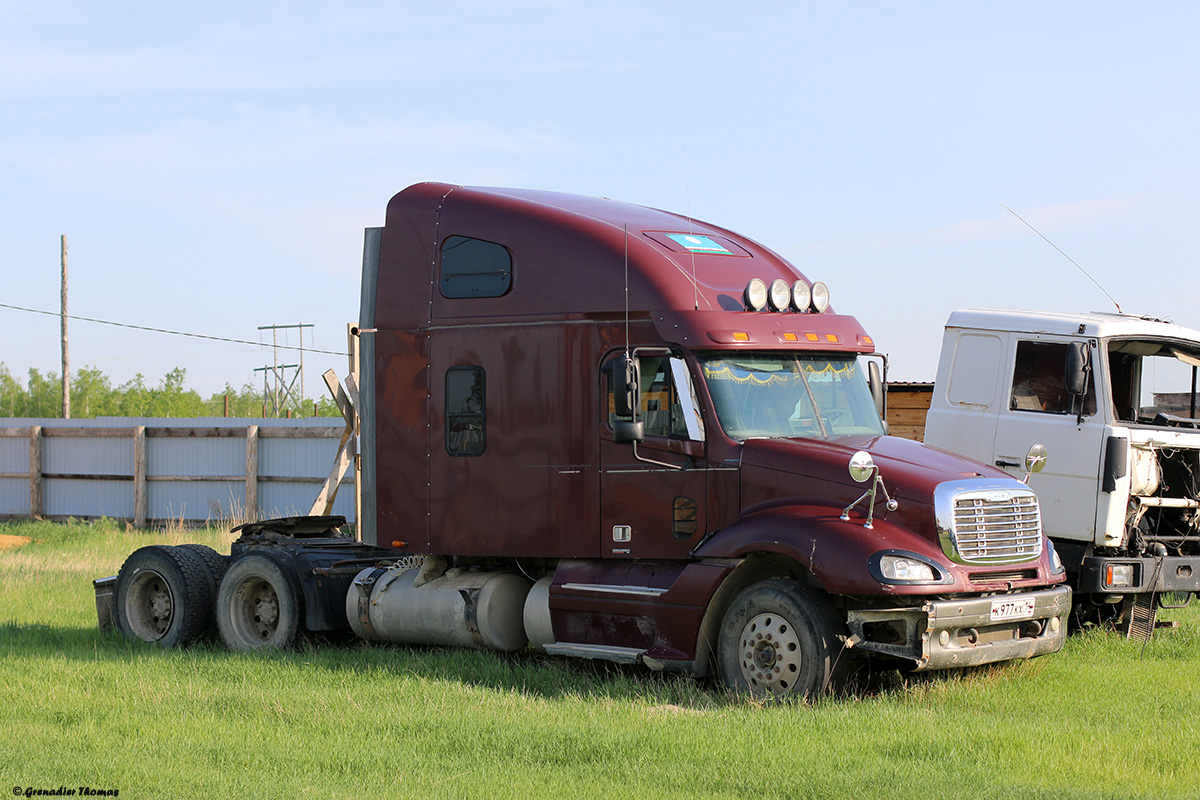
(789, 395)
(1153, 382)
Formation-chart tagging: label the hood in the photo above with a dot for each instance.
(909, 469)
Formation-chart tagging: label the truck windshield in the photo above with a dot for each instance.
(1154, 382)
(789, 395)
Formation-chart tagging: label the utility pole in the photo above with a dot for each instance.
(66, 352)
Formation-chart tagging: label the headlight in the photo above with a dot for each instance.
(801, 296)
(1056, 565)
(1118, 576)
(820, 297)
(781, 293)
(755, 296)
(899, 568)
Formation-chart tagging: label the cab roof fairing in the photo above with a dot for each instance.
(569, 254)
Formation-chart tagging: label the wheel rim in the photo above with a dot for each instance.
(149, 606)
(255, 612)
(769, 655)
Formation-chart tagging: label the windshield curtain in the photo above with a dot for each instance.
(789, 395)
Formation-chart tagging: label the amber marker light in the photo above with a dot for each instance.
(740, 336)
(791, 337)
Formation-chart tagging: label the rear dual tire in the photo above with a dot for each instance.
(260, 603)
(164, 595)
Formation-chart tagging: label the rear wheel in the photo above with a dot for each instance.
(259, 603)
(778, 640)
(213, 566)
(163, 596)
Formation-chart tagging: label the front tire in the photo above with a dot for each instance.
(259, 604)
(778, 641)
(163, 596)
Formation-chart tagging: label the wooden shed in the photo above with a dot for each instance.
(907, 405)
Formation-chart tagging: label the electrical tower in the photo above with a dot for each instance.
(279, 380)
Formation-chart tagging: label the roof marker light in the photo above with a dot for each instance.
(820, 297)
(781, 295)
(755, 295)
(801, 296)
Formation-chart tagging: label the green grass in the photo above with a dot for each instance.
(1104, 718)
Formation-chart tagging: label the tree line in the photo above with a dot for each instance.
(94, 395)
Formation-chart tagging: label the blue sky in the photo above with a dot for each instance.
(213, 165)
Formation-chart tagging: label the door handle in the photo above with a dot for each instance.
(1003, 462)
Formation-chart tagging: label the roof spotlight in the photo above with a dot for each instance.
(780, 295)
(820, 296)
(801, 296)
(755, 295)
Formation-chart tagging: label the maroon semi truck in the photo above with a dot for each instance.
(618, 433)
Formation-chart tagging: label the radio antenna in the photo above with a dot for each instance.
(1064, 255)
(687, 193)
(626, 288)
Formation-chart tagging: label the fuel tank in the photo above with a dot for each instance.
(479, 609)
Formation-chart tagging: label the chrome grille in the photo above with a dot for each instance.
(997, 527)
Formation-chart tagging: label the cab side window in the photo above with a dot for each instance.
(1039, 380)
(667, 402)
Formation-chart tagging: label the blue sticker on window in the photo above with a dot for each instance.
(697, 244)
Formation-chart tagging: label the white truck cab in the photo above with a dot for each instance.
(1113, 398)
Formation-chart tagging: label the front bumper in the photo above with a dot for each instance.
(960, 632)
(1165, 574)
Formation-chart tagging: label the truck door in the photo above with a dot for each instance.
(1040, 409)
(653, 495)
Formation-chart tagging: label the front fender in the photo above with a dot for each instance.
(833, 550)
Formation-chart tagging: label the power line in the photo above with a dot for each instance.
(162, 330)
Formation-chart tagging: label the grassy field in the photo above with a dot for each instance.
(1104, 719)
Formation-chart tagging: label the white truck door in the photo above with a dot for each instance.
(967, 394)
(1039, 409)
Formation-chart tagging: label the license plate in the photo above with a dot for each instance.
(1012, 608)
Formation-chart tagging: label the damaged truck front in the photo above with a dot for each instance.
(613, 432)
(1114, 398)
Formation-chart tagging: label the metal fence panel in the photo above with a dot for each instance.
(193, 457)
(70, 497)
(191, 470)
(85, 456)
(197, 500)
(14, 494)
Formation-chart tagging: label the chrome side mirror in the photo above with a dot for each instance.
(1035, 460)
(862, 468)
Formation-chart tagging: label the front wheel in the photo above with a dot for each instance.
(777, 640)
(259, 604)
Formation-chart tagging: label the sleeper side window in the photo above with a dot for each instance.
(1039, 380)
(474, 268)
(466, 411)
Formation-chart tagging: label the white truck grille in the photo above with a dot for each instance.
(989, 524)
